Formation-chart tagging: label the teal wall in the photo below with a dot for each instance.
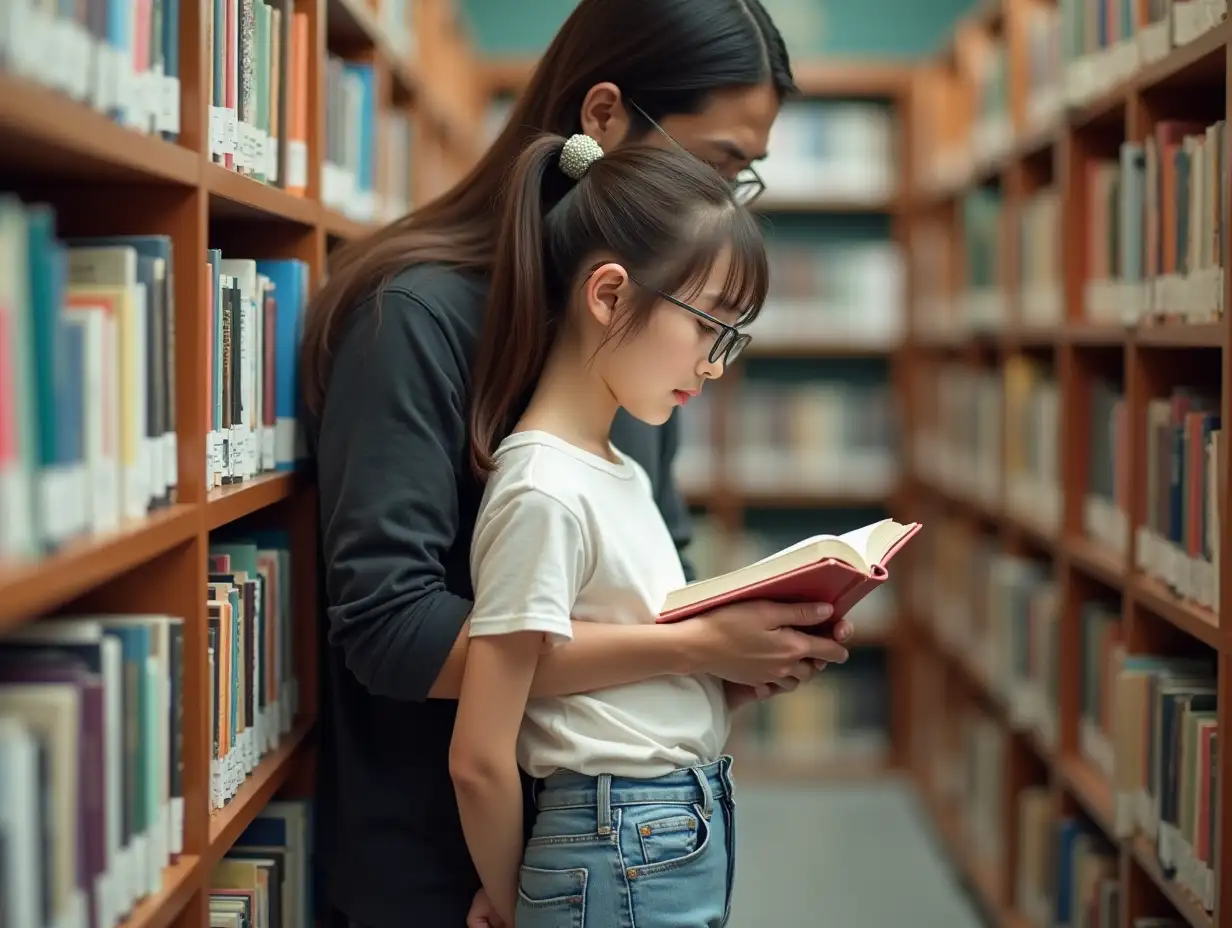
(814, 28)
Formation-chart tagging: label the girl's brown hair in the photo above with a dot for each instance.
(664, 215)
(669, 56)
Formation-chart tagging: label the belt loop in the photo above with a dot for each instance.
(707, 794)
(603, 801)
(725, 772)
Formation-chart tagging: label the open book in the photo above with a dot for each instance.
(836, 569)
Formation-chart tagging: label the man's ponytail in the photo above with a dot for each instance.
(517, 324)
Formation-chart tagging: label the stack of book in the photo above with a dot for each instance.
(87, 380)
(254, 312)
(1032, 444)
(1156, 220)
(1105, 506)
(265, 879)
(831, 293)
(1165, 744)
(1178, 542)
(985, 307)
(958, 446)
(119, 57)
(256, 57)
(254, 693)
(831, 150)
(91, 766)
(1045, 97)
(823, 436)
(1039, 261)
(1019, 652)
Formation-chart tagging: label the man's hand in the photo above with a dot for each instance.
(768, 643)
(483, 913)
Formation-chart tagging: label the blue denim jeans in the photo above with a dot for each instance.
(612, 852)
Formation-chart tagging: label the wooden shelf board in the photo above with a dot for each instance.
(1189, 908)
(1091, 558)
(1098, 334)
(835, 206)
(832, 498)
(1194, 620)
(228, 823)
(226, 504)
(856, 78)
(1091, 790)
(839, 347)
(30, 589)
(1199, 63)
(160, 909)
(51, 135)
(1180, 336)
(341, 226)
(236, 196)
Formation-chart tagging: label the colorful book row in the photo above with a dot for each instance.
(87, 380)
(1157, 225)
(254, 318)
(1179, 540)
(122, 57)
(91, 766)
(254, 694)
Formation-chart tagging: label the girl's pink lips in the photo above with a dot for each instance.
(683, 396)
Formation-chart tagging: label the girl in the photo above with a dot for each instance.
(624, 282)
(388, 345)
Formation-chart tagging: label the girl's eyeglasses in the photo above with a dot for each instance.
(747, 185)
(729, 341)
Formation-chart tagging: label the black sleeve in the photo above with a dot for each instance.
(671, 503)
(392, 431)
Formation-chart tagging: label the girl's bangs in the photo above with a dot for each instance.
(747, 280)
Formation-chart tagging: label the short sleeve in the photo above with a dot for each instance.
(528, 563)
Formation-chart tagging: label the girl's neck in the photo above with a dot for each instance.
(571, 401)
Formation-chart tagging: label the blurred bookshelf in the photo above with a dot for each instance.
(172, 179)
(1069, 370)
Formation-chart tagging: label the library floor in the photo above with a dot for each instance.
(842, 856)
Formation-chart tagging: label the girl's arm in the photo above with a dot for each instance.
(482, 759)
(529, 559)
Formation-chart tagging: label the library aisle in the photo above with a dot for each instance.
(843, 855)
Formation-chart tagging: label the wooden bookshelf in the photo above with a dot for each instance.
(104, 179)
(995, 131)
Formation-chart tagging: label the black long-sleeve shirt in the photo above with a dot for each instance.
(397, 511)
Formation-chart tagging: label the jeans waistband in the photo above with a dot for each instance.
(702, 784)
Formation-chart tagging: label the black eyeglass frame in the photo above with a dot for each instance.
(729, 341)
(752, 180)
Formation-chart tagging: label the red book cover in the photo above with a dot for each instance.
(840, 570)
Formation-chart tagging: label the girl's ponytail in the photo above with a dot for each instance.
(517, 324)
(667, 215)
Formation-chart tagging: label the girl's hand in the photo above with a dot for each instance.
(483, 913)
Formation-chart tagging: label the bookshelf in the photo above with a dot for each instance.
(181, 493)
(1068, 365)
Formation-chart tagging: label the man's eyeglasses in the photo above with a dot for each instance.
(747, 185)
(729, 341)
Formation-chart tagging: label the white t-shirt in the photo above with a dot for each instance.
(564, 536)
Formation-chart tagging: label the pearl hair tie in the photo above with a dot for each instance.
(578, 154)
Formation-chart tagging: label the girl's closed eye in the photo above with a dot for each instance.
(707, 328)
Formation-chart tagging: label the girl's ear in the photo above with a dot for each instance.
(605, 289)
(604, 117)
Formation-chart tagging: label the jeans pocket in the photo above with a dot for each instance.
(551, 898)
(668, 836)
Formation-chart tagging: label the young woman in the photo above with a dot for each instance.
(388, 348)
(629, 292)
